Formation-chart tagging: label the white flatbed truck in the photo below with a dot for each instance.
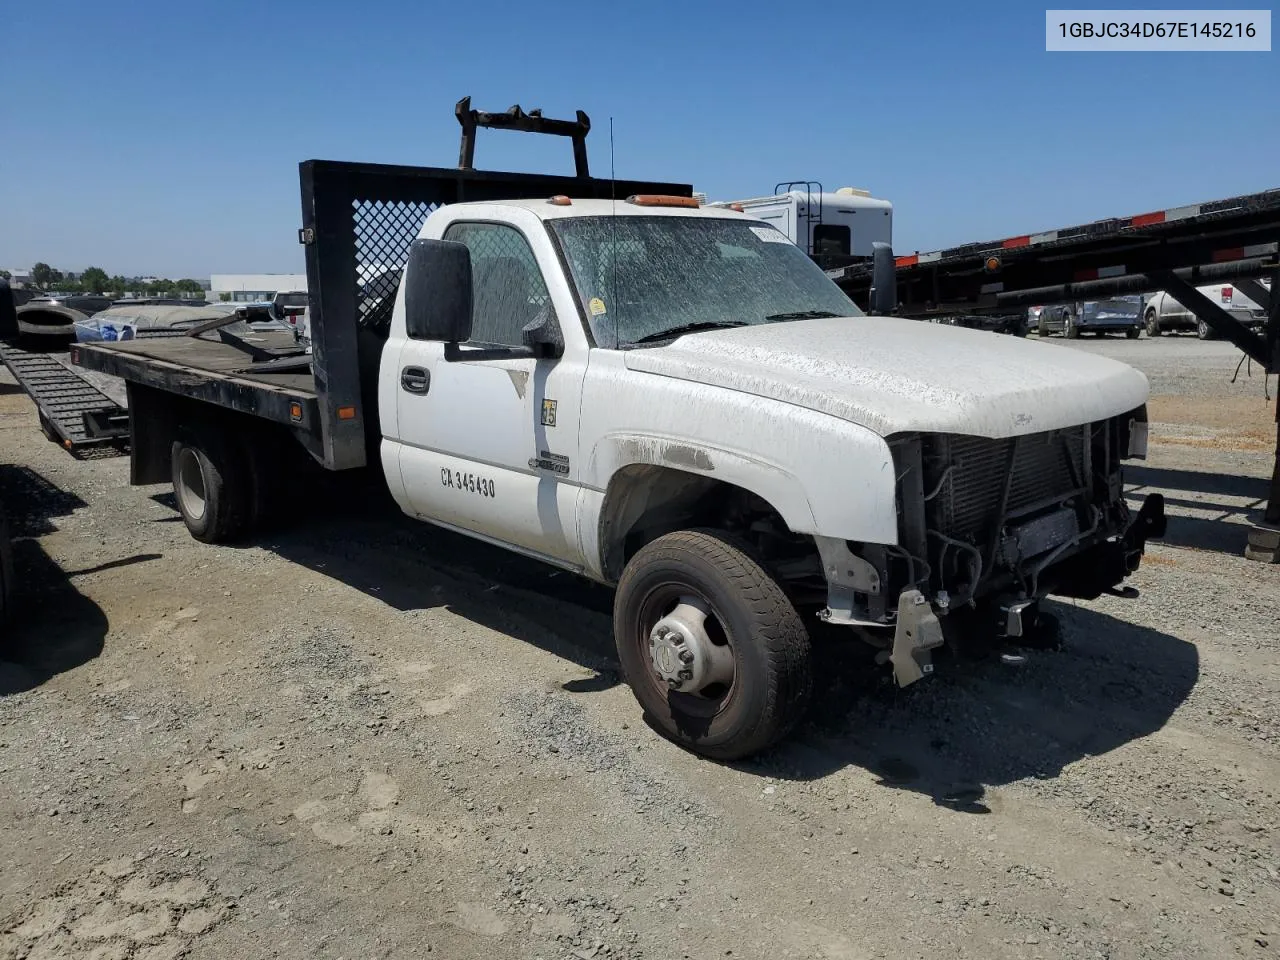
(670, 399)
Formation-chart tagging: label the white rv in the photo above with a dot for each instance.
(830, 227)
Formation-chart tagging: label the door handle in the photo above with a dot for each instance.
(415, 380)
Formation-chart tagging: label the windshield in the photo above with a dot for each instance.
(639, 277)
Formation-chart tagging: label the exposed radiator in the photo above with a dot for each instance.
(1045, 466)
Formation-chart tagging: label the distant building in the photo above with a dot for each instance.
(19, 275)
(250, 287)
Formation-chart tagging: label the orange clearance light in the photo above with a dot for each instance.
(346, 413)
(992, 264)
(659, 200)
(67, 444)
(737, 206)
(560, 200)
(295, 411)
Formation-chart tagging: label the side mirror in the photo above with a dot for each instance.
(437, 294)
(884, 285)
(542, 336)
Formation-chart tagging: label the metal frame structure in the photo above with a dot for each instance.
(1233, 239)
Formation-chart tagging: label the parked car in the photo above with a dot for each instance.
(1163, 314)
(1116, 314)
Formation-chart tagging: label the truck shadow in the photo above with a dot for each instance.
(1214, 493)
(53, 627)
(367, 543)
(979, 724)
(975, 725)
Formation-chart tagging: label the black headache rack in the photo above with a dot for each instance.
(358, 220)
(1173, 250)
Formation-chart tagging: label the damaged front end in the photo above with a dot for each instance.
(987, 528)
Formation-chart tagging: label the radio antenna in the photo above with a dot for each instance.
(613, 240)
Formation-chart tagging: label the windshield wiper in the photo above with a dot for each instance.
(691, 328)
(802, 315)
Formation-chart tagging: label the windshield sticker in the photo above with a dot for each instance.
(596, 306)
(769, 235)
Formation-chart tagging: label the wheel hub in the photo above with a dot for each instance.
(682, 653)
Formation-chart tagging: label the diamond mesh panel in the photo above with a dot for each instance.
(383, 231)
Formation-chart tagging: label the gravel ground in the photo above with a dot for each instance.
(371, 739)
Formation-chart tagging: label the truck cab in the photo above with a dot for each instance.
(675, 399)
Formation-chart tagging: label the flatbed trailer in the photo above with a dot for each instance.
(73, 412)
(1231, 239)
(358, 221)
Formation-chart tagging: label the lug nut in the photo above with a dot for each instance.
(686, 674)
(686, 655)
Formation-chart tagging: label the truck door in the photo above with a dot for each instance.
(490, 446)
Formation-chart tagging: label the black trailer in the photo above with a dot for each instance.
(1174, 250)
(358, 220)
(73, 412)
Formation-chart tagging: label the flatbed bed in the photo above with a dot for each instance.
(208, 370)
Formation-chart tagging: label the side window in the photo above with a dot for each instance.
(507, 288)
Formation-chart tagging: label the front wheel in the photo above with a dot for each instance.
(1152, 322)
(1070, 329)
(1204, 331)
(1132, 333)
(710, 645)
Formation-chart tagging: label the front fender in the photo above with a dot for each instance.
(823, 475)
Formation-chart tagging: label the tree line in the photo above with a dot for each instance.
(96, 280)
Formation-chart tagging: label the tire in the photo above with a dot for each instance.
(213, 487)
(1152, 323)
(1070, 329)
(771, 673)
(263, 460)
(1204, 331)
(1133, 333)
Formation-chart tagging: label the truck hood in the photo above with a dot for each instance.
(893, 375)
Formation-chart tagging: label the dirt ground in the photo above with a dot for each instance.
(366, 738)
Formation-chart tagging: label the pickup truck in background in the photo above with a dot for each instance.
(1122, 314)
(673, 400)
(1163, 314)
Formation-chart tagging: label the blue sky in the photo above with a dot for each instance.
(150, 137)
